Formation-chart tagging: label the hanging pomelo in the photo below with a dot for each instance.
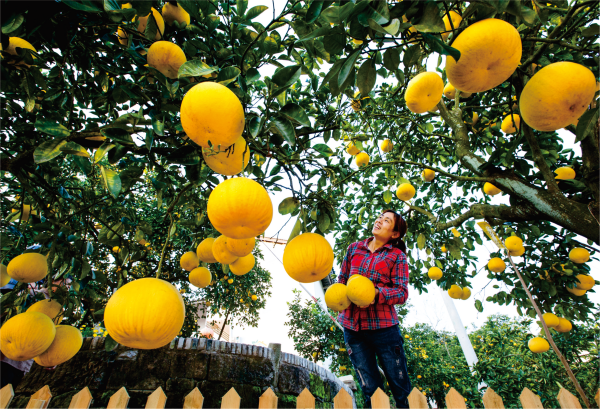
(423, 92)
(166, 57)
(189, 261)
(308, 258)
(220, 251)
(204, 250)
(228, 161)
(28, 267)
(242, 265)
(49, 307)
(66, 344)
(200, 277)
(26, 335)
(240, 247)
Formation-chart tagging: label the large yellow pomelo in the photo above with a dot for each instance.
(576, 291)
(242, 265)
(146, 313)
(189, 261)
(435, 273)
(28, 267)
(518, 252)
(160, 23)
(352, 149)
(4, 277)
(166, 57)
(212, 112)
(428, 175)
(229, 160)
(511, 124)
(585, 282)
(455, 18)
(405, 191)
(423, 92)
(497, 265)
(26, 335)
(490, 189)
(49, 307)
(241, 247)
(240, 208)
(387, 145)
(490, 51)
(466, 293)
(362, 159)
(513, 243)
(557, 95)
(204, 250)
(565, 173)
(173, 13)
(361, 291)
(577, 255)
(66, 344)
(13, 43)
(336, 297)
(538, 345)
(550, 319)
(455, 291)
(220, 251)
(450, 92)
(122, 35)
(564, 325)
(200, 277)
(308, 258)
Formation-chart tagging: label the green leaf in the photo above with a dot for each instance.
(285, 77)
(48, 150)
(186, 155)
(478, 306)
(319, 32)
(110, 344)
(76, 149)
(227, 75)
(391, 59)
(284, 128)
(112, 181)
(255, 12)
(323, 149)
(431, 22)
(323, 222)
(297, 227)
(338, 15)
(242, 5)
(590, 31)
(421, 241)
(102, 150)
(412, 55)
(380, 14)
(85, 5)
(52, 128)
(158, 126)
(288, 205)
(335, 41)
(295, 113)
(194, 68)
(12, 23)
(373, 24)
(586, 124)
(367, 76)
(387, 196)
(83, 163)
(151, 28)
(117, 135)
(440, 47)
(314, 11)
(347, 67)
(254, 126)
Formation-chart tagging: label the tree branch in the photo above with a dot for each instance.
(539, 159)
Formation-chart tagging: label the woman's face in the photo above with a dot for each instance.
(384, 227)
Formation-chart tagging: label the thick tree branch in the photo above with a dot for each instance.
(539, 159)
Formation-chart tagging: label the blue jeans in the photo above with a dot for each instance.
(387, 344)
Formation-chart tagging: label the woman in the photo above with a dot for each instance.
(373, 331)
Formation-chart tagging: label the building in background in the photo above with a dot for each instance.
(205, 321)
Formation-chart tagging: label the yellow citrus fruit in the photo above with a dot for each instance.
(490, 51)
(308, 258)
(13, 43)
(455, 18)
(357, 42)
(475, 118)
(466, 293)
(490, 189)
(362, 159)
(160, 23)
(229, 160)
(336, 297)
(444, 249)
(538, 345)
(26, 335)
(508, 126)
(4, 277)
(220, 251)
(423, 92)
(25, 213)
(518, 252)
(576, 291)
(564, 325)
(352, 149)
(189, 261)
(254, 298)
(387, 145)
(51, 308)
(455, 292)
(204, 250)
(200, 277)
(585, 282)
(242, 265)
(66, 344)
(166, 57)
(497, 265)
(361, 290)
(28, 267)
(565, 173)
(240, 208)
(212, 112)
(577, 255)
(428, 175)
(450, 92)
(435, 273)
(513, 243)
(122, 35)
(241, 247)
(146, 313)
(405, 191)
(173, 13)
(557, 95)
(550, 319)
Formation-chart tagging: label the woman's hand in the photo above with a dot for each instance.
(372, 302)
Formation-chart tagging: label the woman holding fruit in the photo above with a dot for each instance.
(371, 330)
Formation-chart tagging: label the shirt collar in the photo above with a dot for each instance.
(385, 246)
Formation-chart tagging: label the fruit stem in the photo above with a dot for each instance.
(550, 340)
(162, 255)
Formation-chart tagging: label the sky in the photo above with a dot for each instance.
(426, 308)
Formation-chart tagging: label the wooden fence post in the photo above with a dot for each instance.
(6, 396)
(491, 400)
(157, 399)
(81, 400)
(193, 400)
(455, 400)
(44, 395)
(342, 400)
(231, 400)
(530, 400)
(268, 400)
(416, 400)
(119, 400)
(380, 400)
(305, 400)
(567, 400)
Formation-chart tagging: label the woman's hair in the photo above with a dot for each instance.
(401, 227)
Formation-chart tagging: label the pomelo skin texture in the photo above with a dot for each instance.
(490, 51)
(166, 57)
(26, 335)
(66, 344)
(28, 267)
(204, 250)
(228, 162)
(308, 258)
(557, 95)
(336, 298)
(423, 92)
(200, 277)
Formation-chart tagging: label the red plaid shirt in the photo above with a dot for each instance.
(387, 268)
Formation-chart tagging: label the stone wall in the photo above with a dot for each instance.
(213, 366)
